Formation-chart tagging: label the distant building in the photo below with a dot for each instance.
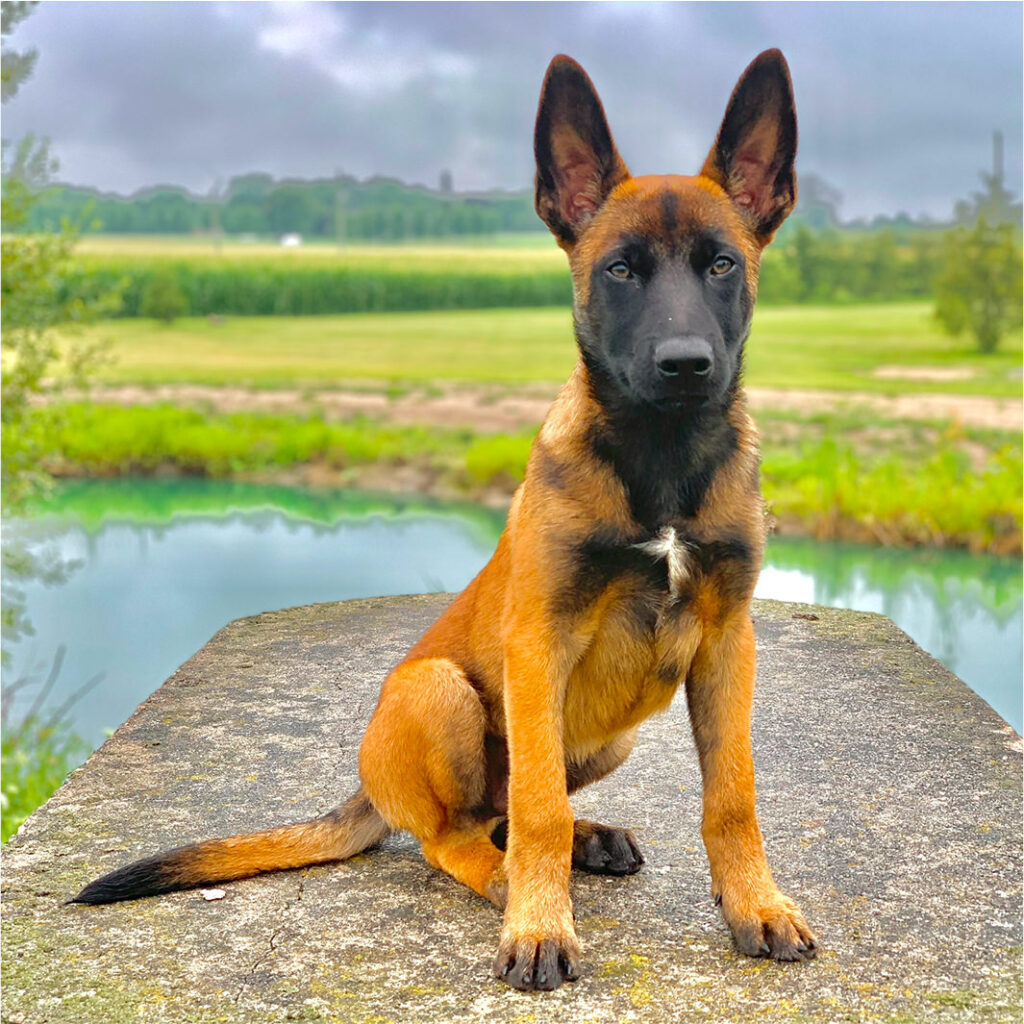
(290, 241)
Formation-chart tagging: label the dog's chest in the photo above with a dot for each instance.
(667, 545)
(641, 579)
(645, 577)
(642, 639)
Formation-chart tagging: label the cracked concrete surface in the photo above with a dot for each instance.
(889, 794)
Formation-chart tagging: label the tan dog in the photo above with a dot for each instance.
(626, 568)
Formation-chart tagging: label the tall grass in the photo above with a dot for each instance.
(37, 751)
(942, 500)
(35, 760)
(244, 280)
(111, 440)
(286, 286)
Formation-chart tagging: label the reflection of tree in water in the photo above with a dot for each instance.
(31, 554)
(951, 580)
(37, 717)
(40, 745)
(942, 597)
(153, 501)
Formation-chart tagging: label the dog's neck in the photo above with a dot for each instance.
(665, 461)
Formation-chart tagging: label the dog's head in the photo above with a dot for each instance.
(665, 267)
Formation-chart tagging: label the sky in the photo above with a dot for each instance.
(896, 102)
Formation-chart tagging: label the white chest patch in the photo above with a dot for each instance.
(668, 546)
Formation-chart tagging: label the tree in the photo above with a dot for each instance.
(40, 749)
(819, 203)
(290, 208)
(979, 287)
(881, 269)
(16, 67)
(994, 202)
(33, 270)
(808, 254)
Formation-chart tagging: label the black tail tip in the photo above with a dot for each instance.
(88, 895)
(99, 892)
(143, 878)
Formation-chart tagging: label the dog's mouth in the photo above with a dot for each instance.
(682, 403)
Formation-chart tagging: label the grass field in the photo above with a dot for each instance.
(525, 251)
(829, 347)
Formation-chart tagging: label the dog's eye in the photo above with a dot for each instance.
(620, 270)
(722, 265)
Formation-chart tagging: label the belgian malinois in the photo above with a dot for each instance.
(626, 568)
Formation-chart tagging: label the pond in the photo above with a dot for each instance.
(152, 569)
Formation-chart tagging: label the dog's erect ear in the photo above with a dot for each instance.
(752, 158)
(577, 163)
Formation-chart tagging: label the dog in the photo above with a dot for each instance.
(625, 570)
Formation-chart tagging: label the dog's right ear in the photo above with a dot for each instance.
(577, 162)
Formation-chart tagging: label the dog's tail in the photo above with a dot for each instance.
(341, 833)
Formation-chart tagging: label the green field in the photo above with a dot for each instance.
(522, 270)
(319, 280)
(522, 251)
(831, 347)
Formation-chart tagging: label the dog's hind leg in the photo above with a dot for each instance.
(423, 764)
(469, 856)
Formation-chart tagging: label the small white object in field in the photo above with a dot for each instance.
(212, 894)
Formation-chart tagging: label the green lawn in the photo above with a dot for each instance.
(511, 346)
(841, 348)
(831, 347)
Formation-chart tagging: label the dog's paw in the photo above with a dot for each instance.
(769, 925)
(530, 964)
(603, 850)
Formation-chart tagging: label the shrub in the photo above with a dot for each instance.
(979, 289)
(162, 297)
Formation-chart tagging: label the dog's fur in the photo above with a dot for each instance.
(626, 568)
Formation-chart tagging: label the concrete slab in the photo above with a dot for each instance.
(889, 794)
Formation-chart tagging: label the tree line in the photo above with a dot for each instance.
(382, 209)
(256, 204)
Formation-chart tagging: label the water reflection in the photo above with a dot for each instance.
(963, 609)
(148, 596)
(163, 565)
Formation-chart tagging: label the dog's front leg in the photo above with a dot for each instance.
(538, 947)
(720, 692)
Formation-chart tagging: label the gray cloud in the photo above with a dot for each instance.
(897, 102)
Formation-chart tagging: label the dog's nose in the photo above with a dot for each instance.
(684, 361)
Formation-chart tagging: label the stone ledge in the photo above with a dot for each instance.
(889, 794)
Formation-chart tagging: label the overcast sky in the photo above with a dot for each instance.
(896, 101)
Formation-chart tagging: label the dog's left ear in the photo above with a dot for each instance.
(752, 158)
